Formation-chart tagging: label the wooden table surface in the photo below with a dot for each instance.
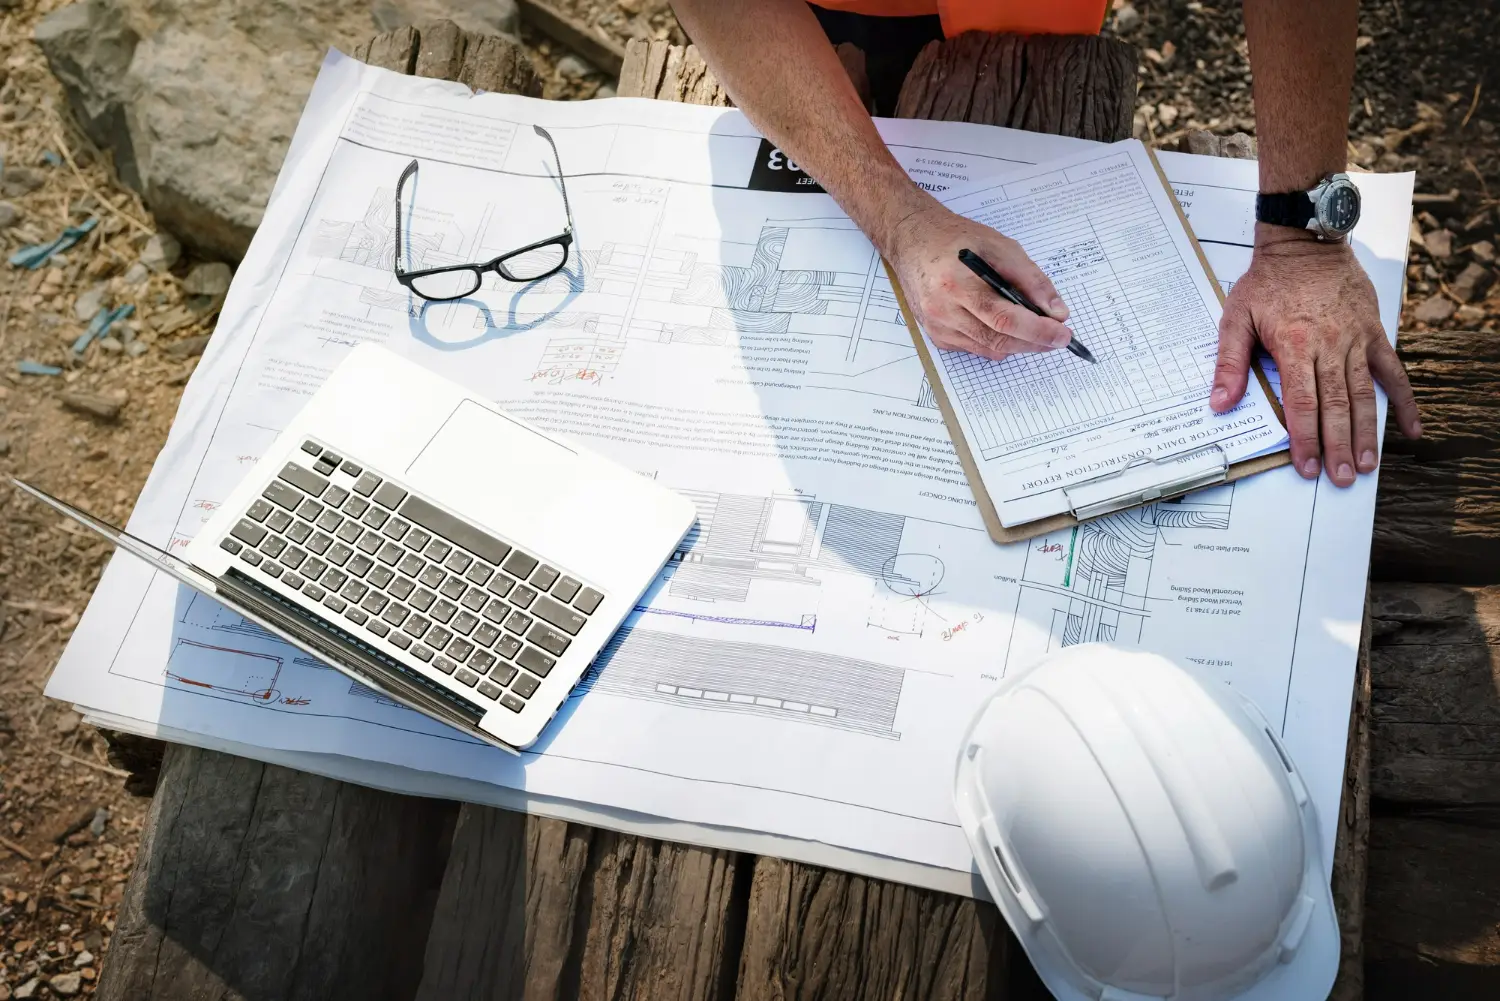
(257, 882)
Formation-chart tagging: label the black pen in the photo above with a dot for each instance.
(1010, 293)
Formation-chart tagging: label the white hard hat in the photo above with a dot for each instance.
(1145, 834)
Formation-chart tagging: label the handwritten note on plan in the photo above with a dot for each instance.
(1050, 433)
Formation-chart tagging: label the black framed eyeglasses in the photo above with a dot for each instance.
(530, 263)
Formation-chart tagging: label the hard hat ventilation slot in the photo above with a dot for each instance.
(1279, 752)
(1010, 878)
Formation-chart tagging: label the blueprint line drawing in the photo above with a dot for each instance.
(225, 670)
(826, 689)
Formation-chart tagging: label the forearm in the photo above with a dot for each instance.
(775, 62)
(1302, 61)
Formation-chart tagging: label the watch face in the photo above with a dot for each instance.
(1338, 209)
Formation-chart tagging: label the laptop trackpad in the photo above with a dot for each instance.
(489, 467)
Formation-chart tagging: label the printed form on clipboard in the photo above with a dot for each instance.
(1048, 439)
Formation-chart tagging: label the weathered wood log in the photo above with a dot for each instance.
(1434, 909)
(1438, 516)
(260, 882)
(443, 50)
(669, 73)
(589, 42)
(541, 909)
(1070, 85)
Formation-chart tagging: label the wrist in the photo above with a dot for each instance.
(1270, 235)
(889, 206)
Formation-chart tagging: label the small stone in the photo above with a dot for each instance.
(1434, 310)
(20, 181)
(67, 722)
(188, 347)
(87, 305)
(1483, 252)
(110, 345)
(136, 348)
(136, 274)
(96, 826)
(1439, 244)
(161, 252)
(1127, 19)
(9, 215)
(573, 67)
(1167, 114)
(1414, 236)
(28, 989)
(66, 984)
(1470, 315)
(1472, 282)
(605, 90)
(104, 407)
(84, 958)
(210, 279)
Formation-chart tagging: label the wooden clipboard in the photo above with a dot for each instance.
(1030, 530)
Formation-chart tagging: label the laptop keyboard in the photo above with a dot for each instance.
(493, 617)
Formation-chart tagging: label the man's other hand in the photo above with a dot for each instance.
(1313, 307)
(954, 305)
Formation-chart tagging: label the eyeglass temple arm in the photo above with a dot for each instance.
(561, 182)
(411, 168)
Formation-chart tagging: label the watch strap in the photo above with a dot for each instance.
(1290, 208)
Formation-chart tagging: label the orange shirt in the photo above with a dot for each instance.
(1021, 17)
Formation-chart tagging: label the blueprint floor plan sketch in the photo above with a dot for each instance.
(804, 663)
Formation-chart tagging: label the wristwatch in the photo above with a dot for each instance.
(1330, 210)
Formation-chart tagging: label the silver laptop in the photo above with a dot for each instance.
(430, 545)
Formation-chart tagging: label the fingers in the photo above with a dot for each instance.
(1392, 375)
(1012, 262)
(1362, 406)
(1299, 398)
(964, 332)
(1009, 320)
(1232, 373)
(1335, 411)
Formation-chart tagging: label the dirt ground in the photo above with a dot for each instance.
(68, 828)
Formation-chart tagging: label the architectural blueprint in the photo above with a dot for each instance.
(796, 680)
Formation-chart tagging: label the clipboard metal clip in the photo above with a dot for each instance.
(1146, 480)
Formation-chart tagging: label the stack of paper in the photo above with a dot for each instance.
(797, 680)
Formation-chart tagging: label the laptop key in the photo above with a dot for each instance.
(512, 703)
(366, 484)
(279, 521)
(389, 554)
(395, 614)
(333, 457)
(458, 561)
(465, 676)
(338, 554)
(463, 623)
(453, 588)
(522, 597)
(355, 615)
(395, 528)
(438, 551)
(304, 479)
(445, 665)
(355, 507)
(508, 647)
(251, 557)
(292, 581)
(411, 565)
(486, 634)
(459, 650)
(401, 640)
(525, 685)
(360, 565)
(292, 558)
(350, 468)
(280, 494)
(474, 599)
(258, 510)
(565, 589)
(272, 569)
(401, 588)
(422, 652)
(482, 661)
(375, 517)
(335, 496)
(389, 495)
(438, 637)
(273, 546)
(496, 611)
(559, 615)
(313, 592)
(248, 532)
(354, 590)
(535, 661)
(309, 510)
(422, 600)
(313, 568)
(416, 540)
(518, 623)
(334, 603)
(543, 577)
(230, 546)
(520, 565)
(299, 532)
(548, 639)
(479, 573)
(333, 579)
(377, 627)
(329, 521)
(350, 531)
(319, 543)
(432, 576)
(380, 577)
(501, 584)
(416, 626)
(370, 542)
(502, 673)
(489, 690)
(312, 448)
(587, 601)
(455, 530)
(323, 467)
(374, 603)
(443, 609)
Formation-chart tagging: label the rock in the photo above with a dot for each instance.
(66, 984)
(28, 989)
(1127, 19)
(1472, 282)
(96, 828)
(104, 407)
(136, 348)
(573, 67)
(1470, 316)
(202, 145)
(161, 252)
(1434, 310)
(136, 274)
(1439, 244)
(4, 446)
(211, 279)
(67, 723)
(84, 958)
(1483, 252)
(9, 215)
(605, 90)
(87, 305)
(20, 181)
(110, 345)
(188, 347)
(1167, 114)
